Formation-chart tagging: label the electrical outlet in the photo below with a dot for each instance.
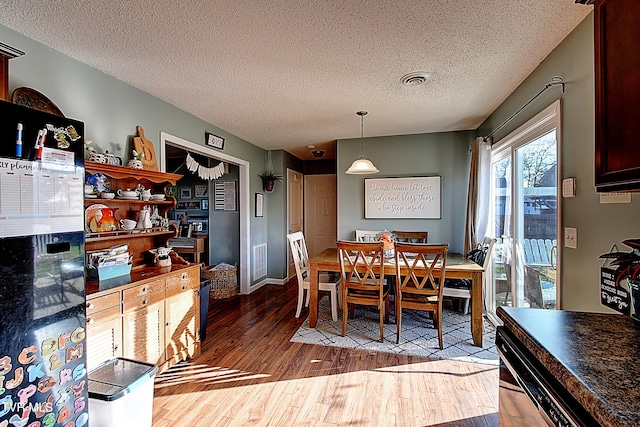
(571, 237)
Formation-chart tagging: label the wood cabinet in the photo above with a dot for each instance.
(140, 241)
(154, 320)
(617, 76)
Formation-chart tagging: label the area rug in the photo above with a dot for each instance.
(418, 336)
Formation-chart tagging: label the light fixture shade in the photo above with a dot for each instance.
(362, 166)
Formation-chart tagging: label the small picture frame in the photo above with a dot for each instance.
(185, 192)
(204, 204)
(178, 215)
(214, 140)
(201, 190)
(259, 205)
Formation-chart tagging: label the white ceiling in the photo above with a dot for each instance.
(285, 74)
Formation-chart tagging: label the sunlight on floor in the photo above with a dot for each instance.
(424, 393)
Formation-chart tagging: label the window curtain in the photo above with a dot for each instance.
(478, 195)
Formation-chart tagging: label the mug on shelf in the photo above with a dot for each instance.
(158, 197)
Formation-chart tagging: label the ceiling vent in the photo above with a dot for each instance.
(414, 79)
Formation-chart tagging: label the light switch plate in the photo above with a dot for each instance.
(571, 237)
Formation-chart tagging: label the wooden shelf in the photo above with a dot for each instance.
(127, 234)
(121, 172)
(168, 201)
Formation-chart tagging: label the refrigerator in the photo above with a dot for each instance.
(43, 374)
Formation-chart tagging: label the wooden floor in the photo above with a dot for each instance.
(250, 374)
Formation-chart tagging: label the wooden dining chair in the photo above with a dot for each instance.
(363, 283)
(411, 236)
(326, 282)
(366, 235)
(418, 285)
(461, 288)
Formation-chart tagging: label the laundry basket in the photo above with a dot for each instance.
(223, 279)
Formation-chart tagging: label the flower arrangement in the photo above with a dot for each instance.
(387, 239)
(628, 263)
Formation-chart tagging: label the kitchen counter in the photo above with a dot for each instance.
(596, 357)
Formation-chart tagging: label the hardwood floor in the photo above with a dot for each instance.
(250, 374)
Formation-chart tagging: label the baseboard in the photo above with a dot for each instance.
(265, 282)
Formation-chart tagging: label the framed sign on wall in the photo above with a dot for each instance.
(407, 197)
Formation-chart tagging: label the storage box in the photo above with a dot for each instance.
(104, 273)
(121, 394)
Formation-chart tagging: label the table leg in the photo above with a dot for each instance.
(476, 308)
(313, 295)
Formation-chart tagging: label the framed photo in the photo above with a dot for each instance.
(178, 215)
(214, 140)
(259, 204)
(201, 190)
(204, 204)
(413, 197)
(185, 192)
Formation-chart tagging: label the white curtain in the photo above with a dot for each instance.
(484, 188)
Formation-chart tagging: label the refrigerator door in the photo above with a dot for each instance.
(43, 376)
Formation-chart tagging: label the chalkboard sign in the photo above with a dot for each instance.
(611, 295)
(409, 197)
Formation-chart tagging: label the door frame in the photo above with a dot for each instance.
(244, 205)
(547, 119)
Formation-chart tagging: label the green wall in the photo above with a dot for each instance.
(445, 154)
(599, 225)
(111, 110)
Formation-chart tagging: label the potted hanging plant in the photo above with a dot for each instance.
(269, 178)
(628, 267)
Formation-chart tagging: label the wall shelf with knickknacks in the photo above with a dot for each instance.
(110, 179)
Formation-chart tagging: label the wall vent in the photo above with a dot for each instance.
(259, 261)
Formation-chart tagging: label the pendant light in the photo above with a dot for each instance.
(362, 166)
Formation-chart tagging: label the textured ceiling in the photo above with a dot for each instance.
(285, 74)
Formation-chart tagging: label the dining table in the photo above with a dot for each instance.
(456, 267)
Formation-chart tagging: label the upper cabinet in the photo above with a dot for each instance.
(617, 76)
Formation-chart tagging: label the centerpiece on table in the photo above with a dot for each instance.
(388, 240)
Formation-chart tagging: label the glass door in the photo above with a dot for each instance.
(524, 220)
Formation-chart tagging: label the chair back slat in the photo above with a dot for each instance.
(411, 236)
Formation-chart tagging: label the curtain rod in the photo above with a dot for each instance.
(556, 80)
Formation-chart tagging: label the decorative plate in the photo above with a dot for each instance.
(99, 181)
(90, 222)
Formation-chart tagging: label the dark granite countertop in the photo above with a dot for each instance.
(595, 356)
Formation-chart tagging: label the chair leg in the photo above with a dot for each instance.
(439, 317)
(300, 300)
(386, 310)
(334, 305)
(308, 297)
(345, 314)
(398, 319)
(466, 305)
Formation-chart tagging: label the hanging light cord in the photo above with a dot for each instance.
(556, 80)
(362, 114)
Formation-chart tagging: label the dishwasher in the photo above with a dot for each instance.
(529, 395)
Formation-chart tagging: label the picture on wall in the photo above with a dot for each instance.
(185, 192)
(201, 190)
(407, 197)
(205, 204)
(259, 204)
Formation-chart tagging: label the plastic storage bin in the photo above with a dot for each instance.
(121, 394)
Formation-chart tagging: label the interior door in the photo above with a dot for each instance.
(295, 212)
(321, 212)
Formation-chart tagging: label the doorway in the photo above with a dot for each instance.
(525, 215)
(244, 238)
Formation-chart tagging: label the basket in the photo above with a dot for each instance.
(223, 280)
